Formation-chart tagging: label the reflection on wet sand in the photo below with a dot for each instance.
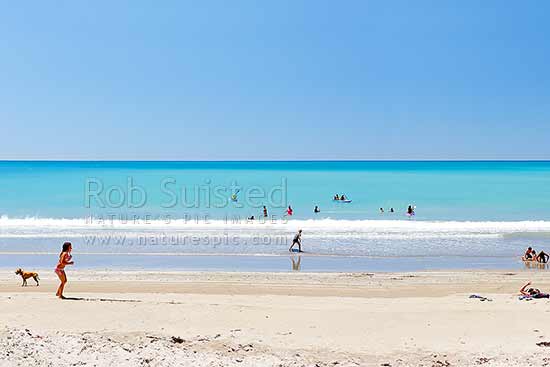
(535, 265)
(296, 264)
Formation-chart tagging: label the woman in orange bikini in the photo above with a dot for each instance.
(65, 258)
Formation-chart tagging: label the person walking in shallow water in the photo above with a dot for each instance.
(297, 240)
(65, 258)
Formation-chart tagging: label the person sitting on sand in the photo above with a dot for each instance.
(297, 240)
(533, 292)
(528, 255)
(542, 257)
(65, 258)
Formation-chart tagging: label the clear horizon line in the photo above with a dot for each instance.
(278, 160)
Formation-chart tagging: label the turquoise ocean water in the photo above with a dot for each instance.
(165, 214)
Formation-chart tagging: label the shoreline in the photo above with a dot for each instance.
(260, 263)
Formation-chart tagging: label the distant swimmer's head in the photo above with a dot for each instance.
(300, 231)
(67, 247)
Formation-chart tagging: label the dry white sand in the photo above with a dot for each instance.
(266, 319)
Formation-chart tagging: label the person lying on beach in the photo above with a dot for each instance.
(542, 257)
(65, 258)
(533, 292)
(297, 240)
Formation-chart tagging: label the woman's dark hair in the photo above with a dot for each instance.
(66, 246)
(533, 291)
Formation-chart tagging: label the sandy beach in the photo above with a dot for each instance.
(275, 319)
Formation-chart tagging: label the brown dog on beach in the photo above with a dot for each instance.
(26, 275)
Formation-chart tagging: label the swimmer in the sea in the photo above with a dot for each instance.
(316, 209)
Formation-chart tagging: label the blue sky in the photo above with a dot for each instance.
(275, 80)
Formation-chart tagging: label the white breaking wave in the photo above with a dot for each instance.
(325, 228)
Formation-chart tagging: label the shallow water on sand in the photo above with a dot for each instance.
(280, 263)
